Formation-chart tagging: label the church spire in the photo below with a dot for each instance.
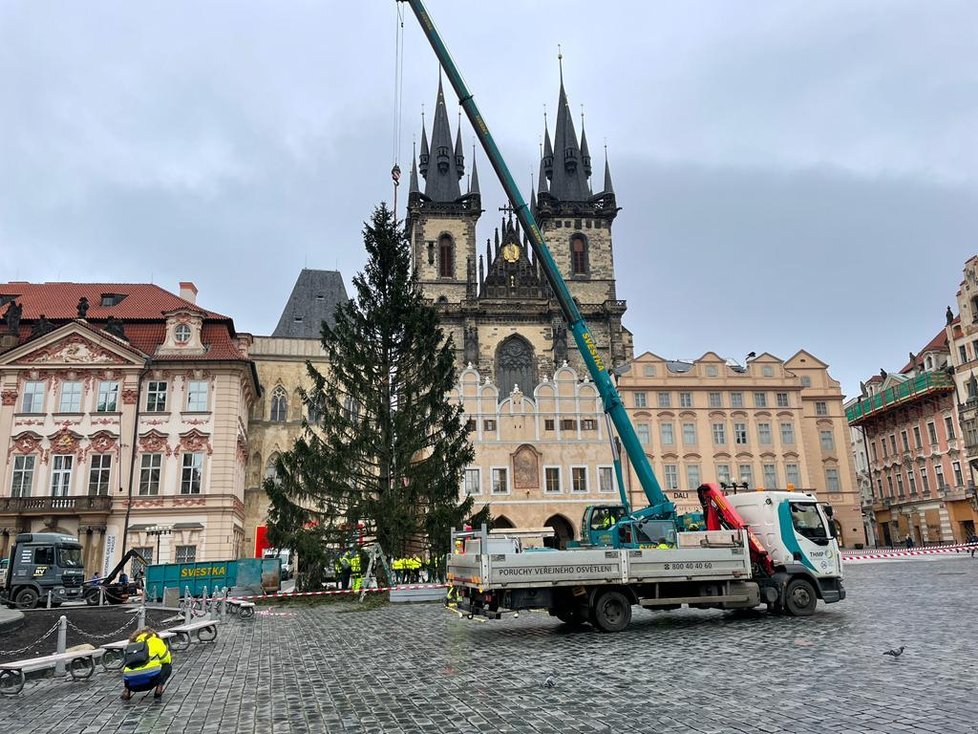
(423, 160)
(569, 181)
(547, 162)
(608, 188)
(459, 158)
(474, 182)
(413, 188)
(585, 153)
(441, 180)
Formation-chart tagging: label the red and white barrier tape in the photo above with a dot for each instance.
(908, 553)
(335, 592)
(945, 546)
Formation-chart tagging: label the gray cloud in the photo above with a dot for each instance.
(792, 174)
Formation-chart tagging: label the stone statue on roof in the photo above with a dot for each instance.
(82, 307)
(12, 317)
(115, 327)
(41, 326)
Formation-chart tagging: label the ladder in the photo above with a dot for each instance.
(374, 553)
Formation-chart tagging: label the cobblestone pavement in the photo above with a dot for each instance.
(421, 669)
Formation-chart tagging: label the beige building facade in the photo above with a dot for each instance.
(124, 421)
(770, 423)
(540, 459)
(281, 359)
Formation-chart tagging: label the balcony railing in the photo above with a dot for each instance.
(55, 505)
(927, 383)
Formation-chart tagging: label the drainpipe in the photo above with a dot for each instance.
(132, 458)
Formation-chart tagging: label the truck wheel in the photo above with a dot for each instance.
(800, 598)
(27, 598)
(612, 612)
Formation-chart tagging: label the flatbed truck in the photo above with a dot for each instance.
(709, 569)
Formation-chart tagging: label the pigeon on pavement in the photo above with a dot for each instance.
(895, 653)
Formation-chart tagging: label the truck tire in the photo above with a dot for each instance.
(92, 597)
(612, 612)
(800, 598)
(27, 598)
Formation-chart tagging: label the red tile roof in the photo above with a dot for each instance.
(938, 343)
(141, 313)
(59, 301)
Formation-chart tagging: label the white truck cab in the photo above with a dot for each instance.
(798, 533)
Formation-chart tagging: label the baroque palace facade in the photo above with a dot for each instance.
(920, 432)
(124, 420)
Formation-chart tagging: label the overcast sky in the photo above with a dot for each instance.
(791, 174)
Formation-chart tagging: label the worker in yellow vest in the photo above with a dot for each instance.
(355, 574)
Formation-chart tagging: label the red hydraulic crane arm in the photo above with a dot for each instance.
(719, 515)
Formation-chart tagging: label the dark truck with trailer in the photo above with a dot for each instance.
(40, 563)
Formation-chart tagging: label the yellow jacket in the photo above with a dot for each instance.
(159, 653)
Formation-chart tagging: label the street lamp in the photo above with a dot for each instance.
(158, 530)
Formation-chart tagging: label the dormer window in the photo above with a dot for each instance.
(111, 299)
(182, 333)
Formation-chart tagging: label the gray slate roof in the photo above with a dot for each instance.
(314, 298)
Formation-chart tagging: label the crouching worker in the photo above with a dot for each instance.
(146, 664)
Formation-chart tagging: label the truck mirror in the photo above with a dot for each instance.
(829, 511)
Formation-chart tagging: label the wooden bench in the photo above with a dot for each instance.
(81, 664)
(244, 609)
(112, 659)
(205, 629)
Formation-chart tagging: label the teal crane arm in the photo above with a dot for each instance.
(659, 505)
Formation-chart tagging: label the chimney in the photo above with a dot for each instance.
(188, 291)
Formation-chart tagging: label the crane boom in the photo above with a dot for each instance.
(659, 504)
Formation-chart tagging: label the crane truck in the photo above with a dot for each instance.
(742, 550)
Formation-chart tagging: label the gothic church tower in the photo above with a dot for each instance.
(441, 221)
(498, 307)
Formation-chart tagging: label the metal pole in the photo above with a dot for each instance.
(660, 506)
(188, 600)
(59, 667)
(132, 455)
(49, 598)
(101, 595)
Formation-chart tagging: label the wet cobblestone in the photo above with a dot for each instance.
(422, 669)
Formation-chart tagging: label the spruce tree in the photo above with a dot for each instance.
(387, 456)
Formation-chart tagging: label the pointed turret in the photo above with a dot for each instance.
(441, 181)
(568, 182)
(547, 162)
(585, 153)
(413, 188)
(423, 158)
(459, 158)
(474, 183)
(608, 188)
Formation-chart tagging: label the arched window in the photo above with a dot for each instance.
(578, 246)
(516, 365)
(280, 405)
(446, 257)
